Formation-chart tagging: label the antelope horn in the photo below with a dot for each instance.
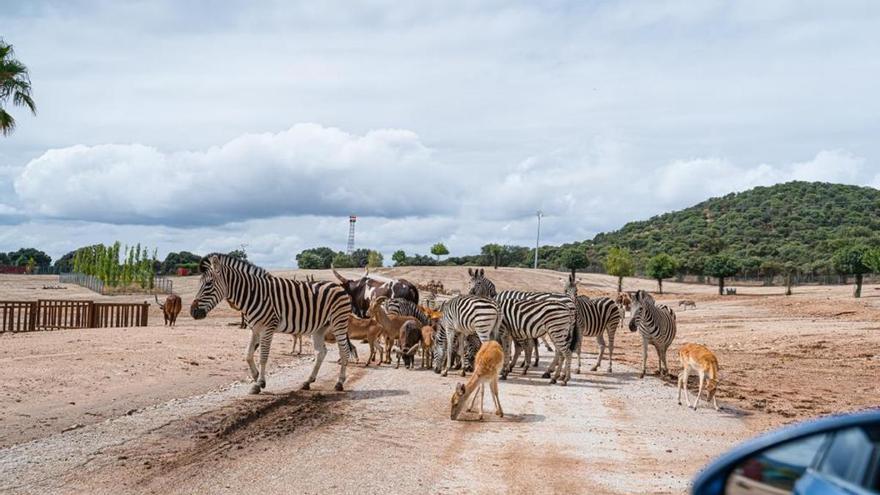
(157, 301)
(412, 349)
(340, 277)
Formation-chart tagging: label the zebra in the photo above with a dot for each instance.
(479, 285)
(272, 304)
(657, 326)
(595, 317)
(465, 357)
(467, 315)
(522, 295)
(525, 320)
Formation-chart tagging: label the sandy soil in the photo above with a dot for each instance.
(154, 409)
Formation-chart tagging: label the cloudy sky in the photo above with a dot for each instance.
(205, 125)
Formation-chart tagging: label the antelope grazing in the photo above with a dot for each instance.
(700, 359)
(687, 303)
(171, 308)
(489, 360)
(410, 340)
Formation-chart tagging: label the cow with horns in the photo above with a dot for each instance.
(369, 287)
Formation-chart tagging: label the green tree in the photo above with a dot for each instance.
(30, 265)
(239, 254)
(326, 254)
(722, 266)
(309, 261)
(15, 84)
(439, 250)
(573, 258)
(374, 260)
(342, 260)
(851, 260)
(360, 257)
(399, 257)
(661, 266)
(492, 254)
(619, 263)
(21, 257)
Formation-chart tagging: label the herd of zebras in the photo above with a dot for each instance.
(514, 318)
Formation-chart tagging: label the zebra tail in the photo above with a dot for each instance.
(575, 338)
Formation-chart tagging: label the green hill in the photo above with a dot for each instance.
(801, 223)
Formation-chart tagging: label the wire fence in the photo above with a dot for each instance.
(161, 285)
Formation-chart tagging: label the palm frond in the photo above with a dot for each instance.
(7, 123)
(24, 99)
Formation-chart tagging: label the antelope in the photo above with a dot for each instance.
(687, 303)
(390, 324)
(171, 308)
(700, 359)
(488, 364)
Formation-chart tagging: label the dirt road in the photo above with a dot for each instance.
(390, 433)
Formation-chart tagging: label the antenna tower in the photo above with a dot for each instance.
(351, 220)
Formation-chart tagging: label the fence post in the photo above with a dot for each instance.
(32, 323)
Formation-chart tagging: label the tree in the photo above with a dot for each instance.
(360, 257)
(324, 253)
(15, 83)
(619, 263)
(309, 261)
(439, 250)
(722, 266)
(374, 260)
(661, 266)
(791, 256)
(850, 260)
(183, 259)
(769, 269)
(492, 254)
(30, 265)
(573, 258)
(21, 257)
(342, 260)
(239, 254)
(399, 257)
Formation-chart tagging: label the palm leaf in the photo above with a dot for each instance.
(7, 123)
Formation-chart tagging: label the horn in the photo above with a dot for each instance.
(340, 277)
(157, 301)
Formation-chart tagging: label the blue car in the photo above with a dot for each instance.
(834, 455)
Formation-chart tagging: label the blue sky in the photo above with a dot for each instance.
(266, 123)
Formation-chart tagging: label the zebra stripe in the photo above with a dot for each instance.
(467, 315)
(466, 358)
(271, 304)
(597, 317)
(526, 320)
(405, 307)
(522, 295)
(479, 285)
(656, 324)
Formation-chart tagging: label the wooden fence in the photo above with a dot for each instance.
(52, 314)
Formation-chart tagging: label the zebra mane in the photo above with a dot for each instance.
(235, 263)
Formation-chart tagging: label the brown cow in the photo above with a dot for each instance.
(171, 308)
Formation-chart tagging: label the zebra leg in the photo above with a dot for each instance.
(265, 344)
(600, 339)
(553, 364)
(661, 357)
(252, 347)
(320, 352)
(450, 344)
(529, 345)
(644, 356)
(611, 332)
(537, 346)
(342, 341)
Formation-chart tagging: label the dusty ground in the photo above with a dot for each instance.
(157, 410)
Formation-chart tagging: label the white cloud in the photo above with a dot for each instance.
(306, 170)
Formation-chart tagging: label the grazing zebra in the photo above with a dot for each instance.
(271, 304)
(657, 326)
(467, 315)
(479, 285)
(465, 357)
(526, 320)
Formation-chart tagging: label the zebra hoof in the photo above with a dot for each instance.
(306, 386)
(462, 372)
(255, 389)
(338, 387)
(552, 381)
(261, 383)
(594, 368)
(443, 374)
(503, 376)
(642, 375)
(546, 375)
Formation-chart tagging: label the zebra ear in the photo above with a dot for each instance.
(482, 272)
(471, 272)
(215, 262)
